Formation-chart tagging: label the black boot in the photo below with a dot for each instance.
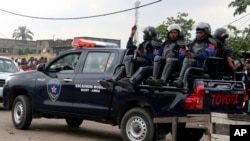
(137, 77)
(108, 84)
(155, 82)
(126, 84)
(186, 64)
(178, 83)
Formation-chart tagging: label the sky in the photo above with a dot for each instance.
(115, 26)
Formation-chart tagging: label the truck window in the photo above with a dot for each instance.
(98, 62)
(65, 64)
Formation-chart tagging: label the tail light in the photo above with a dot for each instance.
(195, 99)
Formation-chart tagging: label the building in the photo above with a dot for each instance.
(19, 47)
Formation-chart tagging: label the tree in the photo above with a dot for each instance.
(240, 42)
(240, 5)
(23, 33)
(185, 23)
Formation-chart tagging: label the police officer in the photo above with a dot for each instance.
(226, 51)
(142, 62)
(172, 55)
(141, 56)
(202, 47)
(120, 71)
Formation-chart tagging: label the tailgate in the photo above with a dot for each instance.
(223, 96)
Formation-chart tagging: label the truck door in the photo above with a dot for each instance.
(55, 85)
(90, 98)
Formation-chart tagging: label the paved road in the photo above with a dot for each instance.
(57, 130)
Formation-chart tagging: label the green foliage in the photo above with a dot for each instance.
(240, 6)
(23, 33)
(25, 51)
(240, 42)
(181, 19)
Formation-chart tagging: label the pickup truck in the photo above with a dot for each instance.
(68, 87)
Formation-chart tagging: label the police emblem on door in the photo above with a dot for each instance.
(54, 89)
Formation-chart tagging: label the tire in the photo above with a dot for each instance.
(73, 122)
(21, 112)
(190, 134)
(137, 125)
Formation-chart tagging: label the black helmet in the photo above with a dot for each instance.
(204, 27)
(150, 31)
(221, 34)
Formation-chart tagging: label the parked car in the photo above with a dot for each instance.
(7, 67)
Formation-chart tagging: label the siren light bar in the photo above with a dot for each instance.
(79, 42)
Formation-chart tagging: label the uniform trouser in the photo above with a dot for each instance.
(132, 64)
(129, 68)
(119, 73)
(159, 62)
(187, 63)
(140, 74)
(158, 65)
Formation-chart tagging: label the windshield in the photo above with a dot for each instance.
(7, 66)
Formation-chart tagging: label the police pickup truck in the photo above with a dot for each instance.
(68, 87)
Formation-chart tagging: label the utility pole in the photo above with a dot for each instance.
(137, 3)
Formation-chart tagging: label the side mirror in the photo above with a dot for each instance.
(41, 67)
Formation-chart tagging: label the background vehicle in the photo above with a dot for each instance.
(7, 67)
(68, 87)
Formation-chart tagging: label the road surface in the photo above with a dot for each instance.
(57, 130)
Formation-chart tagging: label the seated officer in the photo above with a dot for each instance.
(143, 56)
(172, 51)
(202, 47)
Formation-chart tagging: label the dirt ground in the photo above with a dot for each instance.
(57, 130)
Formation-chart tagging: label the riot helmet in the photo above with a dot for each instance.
(203, 26)
(150, 32)
(172, 27)
(221, 34)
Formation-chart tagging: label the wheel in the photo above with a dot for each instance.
(137, 125)
(73, 122)
(21, 112)
(190, 134)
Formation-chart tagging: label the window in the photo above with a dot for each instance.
(65, 64)
(7, 66)
(98, 62)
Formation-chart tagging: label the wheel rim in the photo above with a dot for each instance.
(18, 112)
(136, 128)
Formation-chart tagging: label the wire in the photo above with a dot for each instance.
(77, 18)
(237, 19)
(244, 23)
